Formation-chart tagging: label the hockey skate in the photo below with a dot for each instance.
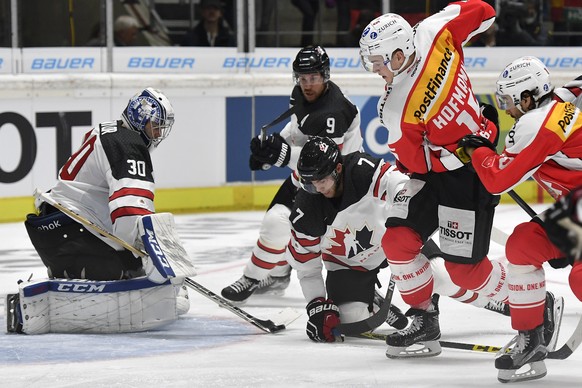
(552, 320)
(274, 285)
(420, 338)
(497, 307)
(240, 290)
(12, 314)
(529, 352)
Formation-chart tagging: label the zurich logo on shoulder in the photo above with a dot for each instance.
(365, 31)
(374, 35)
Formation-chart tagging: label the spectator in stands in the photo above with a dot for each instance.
(212, 30)
(487, 38)
(520, 24)
(309, 9)
(125, 32)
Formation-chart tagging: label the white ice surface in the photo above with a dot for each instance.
(210, 346)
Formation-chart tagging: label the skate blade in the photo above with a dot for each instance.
(418, 350)
(273, 292)
(532, 371)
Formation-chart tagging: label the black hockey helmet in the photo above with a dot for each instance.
(311, 59)
(318, 159)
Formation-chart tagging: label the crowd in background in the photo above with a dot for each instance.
(289, 23)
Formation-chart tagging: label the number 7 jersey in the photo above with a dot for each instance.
(109, 180)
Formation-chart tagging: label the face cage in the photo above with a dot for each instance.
(164, 129)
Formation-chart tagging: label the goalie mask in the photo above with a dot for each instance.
(525, 74)
(318, 161)
(309, 60)
(149, 107)
(382, 37)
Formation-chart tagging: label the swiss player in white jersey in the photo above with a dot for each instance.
(428, 106)
(94, 284)
(337, 222)
(319, 108)
(546, 144)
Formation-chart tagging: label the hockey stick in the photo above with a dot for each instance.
(281, 117)
(375, 320)
(522, 203)
(265, 325)
(444, 344)
(570, 346)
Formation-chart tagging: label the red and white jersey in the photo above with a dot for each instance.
(109, 180)
(433, 106)
(571, 92)
(345, 232)
(332, 115)
(545, 143)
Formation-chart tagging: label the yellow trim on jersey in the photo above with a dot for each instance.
(563, 120)
(437, 77)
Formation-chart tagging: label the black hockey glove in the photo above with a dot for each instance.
(472, 141)
(323, 317)
(274, 150)
(255, 164)
(563, 226)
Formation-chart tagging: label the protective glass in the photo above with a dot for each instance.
(319, 186)
(504, 101)
(308, 79)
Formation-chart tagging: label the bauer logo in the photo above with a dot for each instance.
(75, 63)
(160, 63)
(256, 62)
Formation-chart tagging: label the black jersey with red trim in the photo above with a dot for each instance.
(345, 232)
(332, 115)
(109, 180)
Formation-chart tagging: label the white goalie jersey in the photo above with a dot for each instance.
(344, 232)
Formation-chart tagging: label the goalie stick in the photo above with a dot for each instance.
(265, 325)
(522, 203)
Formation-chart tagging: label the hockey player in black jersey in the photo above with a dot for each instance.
(319, 108)
(338, 221)
(94, 285)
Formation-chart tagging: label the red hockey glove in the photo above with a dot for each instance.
(323, 317)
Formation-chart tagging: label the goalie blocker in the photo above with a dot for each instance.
(85, 306)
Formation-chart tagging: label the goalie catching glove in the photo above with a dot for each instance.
(471, 141)
(274, 150)
(323, 317)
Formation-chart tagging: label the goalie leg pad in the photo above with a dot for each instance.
(167, 257)
(84, 306)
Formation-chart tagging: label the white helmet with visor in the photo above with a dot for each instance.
(383, 36)
(525, 74)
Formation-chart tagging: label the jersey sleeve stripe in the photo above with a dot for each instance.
(132, 191)
(304, 241)
(302, 257)
(383, 171)
(270, 250)
(128, 211)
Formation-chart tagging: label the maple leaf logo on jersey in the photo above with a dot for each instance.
(347, 244)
